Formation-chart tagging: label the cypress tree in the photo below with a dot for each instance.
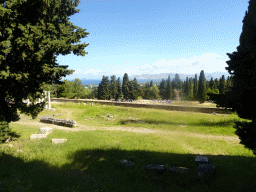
(195, 88)
(119, 90)
(211, 84)
(104, 89)
(125, 86)
(242, 66)
(222, 85)
(136, 89)
(186, 87)
(162, 89)
(113, 86)
(168, 88)
(202, 91)
(151, 83)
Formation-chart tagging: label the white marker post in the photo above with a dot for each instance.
(49, 100)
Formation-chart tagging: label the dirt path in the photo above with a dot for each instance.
(230, 139)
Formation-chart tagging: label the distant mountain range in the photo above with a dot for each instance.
(158, 77)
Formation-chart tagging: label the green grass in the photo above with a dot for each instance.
(88, 161)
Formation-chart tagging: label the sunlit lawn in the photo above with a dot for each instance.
(88, 161)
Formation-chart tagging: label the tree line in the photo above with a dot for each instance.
(192, 89)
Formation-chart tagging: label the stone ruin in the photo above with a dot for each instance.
(61, 122)
(202, 167)
(42, 134)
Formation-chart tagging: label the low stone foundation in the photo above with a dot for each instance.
(56, 141)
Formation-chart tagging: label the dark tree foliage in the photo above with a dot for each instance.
(119, 89)
(113, 86)
(195, 87)
(32, 34)
(104, 89)
(176, 82)
(222, 85)
(134, 89)
(242, 67)
(151, 83)
(162, 89)
(168, 91)
(202, 91)
(125, 86)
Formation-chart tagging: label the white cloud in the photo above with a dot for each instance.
(209, 62)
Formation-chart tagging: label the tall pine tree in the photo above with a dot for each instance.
(168, 88)
(195, 87)
(104, 89)
(242, 66)
(125, 86)
(119, 94)
(162, 89)
(202, 91)
(113, 87)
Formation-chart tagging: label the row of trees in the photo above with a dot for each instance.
(191, 89)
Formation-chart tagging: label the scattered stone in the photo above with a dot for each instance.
(19, 151)
(205, 169)
(38, 136)
(45, 130)
(102, 116)
(110, 116)
(10, 145)
(103, 105)
(183, 125)
(142, 121)
(179, 169)
(157, 168)
(214, 113)
(201, 160)
(84, 103)
(8, 140)
(132, 119)
(58, 141)
(126, 163)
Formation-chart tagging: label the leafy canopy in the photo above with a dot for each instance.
(32, 34)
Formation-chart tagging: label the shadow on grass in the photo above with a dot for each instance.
(14, 135)
(99, 170)
(202, 122)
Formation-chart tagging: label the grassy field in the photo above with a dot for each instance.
(89, 160)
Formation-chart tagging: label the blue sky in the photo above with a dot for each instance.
(155, 36)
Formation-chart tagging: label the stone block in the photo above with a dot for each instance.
(38, 136)
(156, 168)
(205, 169)
(179, 169)
(201, 160)
(59, 141)
(45, 130)
(126, 163)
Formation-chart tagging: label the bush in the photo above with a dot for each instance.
(4, 130)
